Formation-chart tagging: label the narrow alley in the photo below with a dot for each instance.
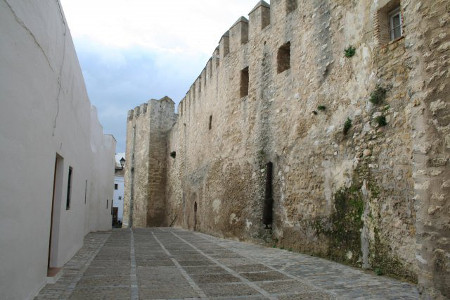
(168, 263)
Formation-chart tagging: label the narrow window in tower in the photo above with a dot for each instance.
(69, 189)
(284, 57)
(210, 122)
(291, 5)
(244, 82)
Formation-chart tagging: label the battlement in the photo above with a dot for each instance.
(234, 41)
(144, 109)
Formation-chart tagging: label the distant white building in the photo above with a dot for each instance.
(118, 189)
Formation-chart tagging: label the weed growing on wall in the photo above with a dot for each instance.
(381, 121)
(350, 51)
(378, 95)
(347, 125)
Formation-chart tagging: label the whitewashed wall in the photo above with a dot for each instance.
(118, 196)
(45, 111)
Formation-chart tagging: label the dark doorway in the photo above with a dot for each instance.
(55, 215)
(195, 216)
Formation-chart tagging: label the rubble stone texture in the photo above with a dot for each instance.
(374, 195)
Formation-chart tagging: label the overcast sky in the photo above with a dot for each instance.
(131, 51)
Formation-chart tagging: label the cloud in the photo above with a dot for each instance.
(134, 50)
(118, 79)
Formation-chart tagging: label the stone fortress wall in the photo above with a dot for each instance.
(279, 89)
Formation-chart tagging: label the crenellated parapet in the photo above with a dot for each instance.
(235, 39)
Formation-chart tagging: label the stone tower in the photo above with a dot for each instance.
(147, 128)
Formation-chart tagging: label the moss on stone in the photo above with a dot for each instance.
(343, 228)
(384, 263)
(346, 224)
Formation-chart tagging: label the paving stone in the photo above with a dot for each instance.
(162, 274)
(104, 280)
(215, 278)
(232, 262)
(154, 262)
(205, 270)
(283, 286)
(250, 268)
(221, 290)
(195, 262)
(264, 276)
(167, 292)
(100, 293)
(117, 271)
(306, 296)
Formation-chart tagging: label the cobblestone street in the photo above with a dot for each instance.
(167, 263)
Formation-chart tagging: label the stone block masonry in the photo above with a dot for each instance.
(359, 143)
(144, 198)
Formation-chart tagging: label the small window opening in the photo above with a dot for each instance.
(395, 24)
(244, 82)
(291, 5)
(85, 192)
(284, 57)
(173, 154)
(389, 22)
(107, 203)
(116, 186)
(210, 69)
(69, 188)
(210, 122)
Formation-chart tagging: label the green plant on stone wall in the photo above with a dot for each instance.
(350, 51)
(347, 125)
(378, 95)
(321, 107)
(381, 121)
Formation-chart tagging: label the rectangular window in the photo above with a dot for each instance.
(116, 186)
(389, 22)
(85, 192)
(395, 24)
(284, 57)
(244, 82)
(69, 189)
(107, 203)
(210, 122)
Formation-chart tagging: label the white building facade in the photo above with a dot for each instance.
(57, 173)
(119, 188)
